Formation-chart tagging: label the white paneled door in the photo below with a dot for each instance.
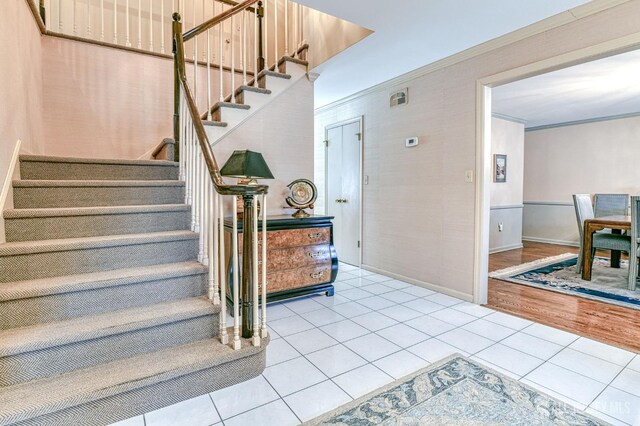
(344, 147)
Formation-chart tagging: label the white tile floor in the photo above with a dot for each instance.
(325, 351)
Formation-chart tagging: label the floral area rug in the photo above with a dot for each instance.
(558, 273)
(457, 391)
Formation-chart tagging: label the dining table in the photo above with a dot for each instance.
(617, 224)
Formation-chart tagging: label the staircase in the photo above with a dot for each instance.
(103, 307)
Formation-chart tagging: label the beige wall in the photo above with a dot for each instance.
(283, 132)
(419, 211)
(20, 82)
(599, 157)
(507, 137)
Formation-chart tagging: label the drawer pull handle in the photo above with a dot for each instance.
(317, 275)
(315, 236)
(316, 255)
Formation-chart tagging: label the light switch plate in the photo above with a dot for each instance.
(468, 176)
(411, 142)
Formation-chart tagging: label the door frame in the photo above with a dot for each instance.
(483, 139)
(360, 121)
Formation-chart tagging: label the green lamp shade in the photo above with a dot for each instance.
(246, 164)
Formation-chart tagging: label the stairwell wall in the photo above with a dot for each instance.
(419, 212)
(20, 88)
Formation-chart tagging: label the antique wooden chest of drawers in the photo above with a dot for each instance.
(301, 258)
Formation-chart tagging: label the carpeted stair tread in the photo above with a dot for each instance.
(42, 336)
(271, 73)
(66, 244)
(293, 60)
(94, 183)
(214, 123)
(110, 161)
(92, 211)
(82, 282)
(46, 396)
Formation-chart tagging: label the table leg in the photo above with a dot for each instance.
(615, 254)
(587, 242)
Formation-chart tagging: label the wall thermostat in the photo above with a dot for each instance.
(409, 142)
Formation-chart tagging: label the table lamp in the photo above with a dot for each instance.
(246, 166)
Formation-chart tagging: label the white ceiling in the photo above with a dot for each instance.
(414, 33)
(602, 88)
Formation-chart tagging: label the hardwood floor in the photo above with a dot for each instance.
(607, 323)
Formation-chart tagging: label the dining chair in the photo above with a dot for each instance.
(634, 255)
(611, 205)
(603, 241)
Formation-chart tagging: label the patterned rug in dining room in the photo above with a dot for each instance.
(456, 391)
(558, 273)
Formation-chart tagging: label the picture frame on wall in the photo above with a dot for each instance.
(500, 168)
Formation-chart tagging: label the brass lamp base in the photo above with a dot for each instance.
(300, 214)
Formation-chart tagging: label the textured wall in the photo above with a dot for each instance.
(419, 211)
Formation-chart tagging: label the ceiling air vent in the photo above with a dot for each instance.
(400, 97)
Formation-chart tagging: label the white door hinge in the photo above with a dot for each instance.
(326, 142)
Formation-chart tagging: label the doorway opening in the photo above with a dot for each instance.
(343, 198)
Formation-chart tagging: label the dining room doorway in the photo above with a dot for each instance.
(486, 158)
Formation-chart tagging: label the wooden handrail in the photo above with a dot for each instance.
(216, 20)
(205, 146)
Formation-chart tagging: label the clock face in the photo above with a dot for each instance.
(303, 193)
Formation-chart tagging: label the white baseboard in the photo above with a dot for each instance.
(549, 241)
(505, 248)
(434, 287)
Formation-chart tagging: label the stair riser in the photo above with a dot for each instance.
(134, 403)
(65, 358)
(52, 264)
(50, 197)
(59, 307)
(48, 228)
(36, 170)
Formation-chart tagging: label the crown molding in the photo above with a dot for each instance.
(571, 15)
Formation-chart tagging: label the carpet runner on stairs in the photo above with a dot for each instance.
(103, 307)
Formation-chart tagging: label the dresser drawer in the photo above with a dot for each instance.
(297, 237)
(295, 257)
(299, 277)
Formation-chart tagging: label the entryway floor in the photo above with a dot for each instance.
(326, 351)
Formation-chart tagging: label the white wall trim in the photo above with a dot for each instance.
(453, 293)
(551, 241)
(8, 179)
(509, 118)
(483, 138)
(548, 203)
(580, 122)
(6, 202)
(505, 248)
(539, 27)
(511, 207)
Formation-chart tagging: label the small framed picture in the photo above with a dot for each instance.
(499, 168)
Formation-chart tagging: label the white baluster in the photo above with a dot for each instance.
(263, 328)
(203, 19)
(203, 203)
(213, 248)
(255, 47)
(151, 25)
(115, 21)
(60, 16)
(254, 283)
(236, 273)
(162, 22)
(296, 16)
(266, 35)
(244, 47)
(220, 58)
(286, 27)
(195, 60)
(101, 20)
(183, 117)
(75, 19)
(126, 17)
(139, 24)
(208, 75)
(233, 60)
(88, 10)
(222, 270)
(275, 32)
(197, 201)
